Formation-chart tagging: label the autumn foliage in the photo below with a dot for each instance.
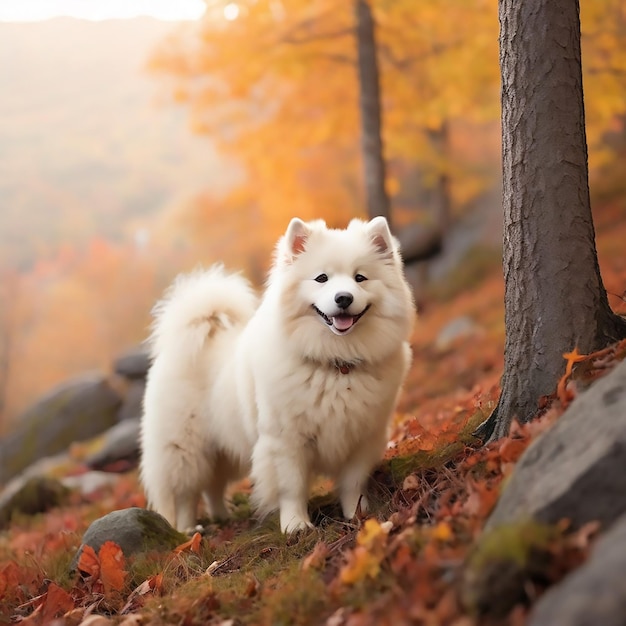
(276, 89)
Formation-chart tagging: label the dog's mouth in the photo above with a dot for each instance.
(342, 323)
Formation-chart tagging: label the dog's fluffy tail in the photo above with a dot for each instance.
(197, 306)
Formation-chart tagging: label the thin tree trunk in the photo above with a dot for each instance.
(369, 101)
(554, 296)
(443, 196)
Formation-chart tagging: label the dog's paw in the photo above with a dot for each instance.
(295, 525)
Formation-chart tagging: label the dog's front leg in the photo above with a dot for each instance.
(281, 475)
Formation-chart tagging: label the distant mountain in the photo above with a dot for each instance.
(84, 147)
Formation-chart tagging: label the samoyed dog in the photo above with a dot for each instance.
(302, 383)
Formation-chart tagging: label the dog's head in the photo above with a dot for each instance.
(339, 283)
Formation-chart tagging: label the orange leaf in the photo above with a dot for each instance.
(88, 563)
(57, 603)
(361, 564)
(442, 532)
(152, 585)
(156, 582)
(316, 558)
(112, 562)
(571, 357)
(511, 449)
(9, 578)
(193, 544)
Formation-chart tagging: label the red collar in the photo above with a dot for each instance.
(345, 367)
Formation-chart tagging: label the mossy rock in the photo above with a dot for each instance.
(35, 495)
(504, 561)
(75, 411)
(133, 530)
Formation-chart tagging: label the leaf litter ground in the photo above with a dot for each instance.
(413, 560)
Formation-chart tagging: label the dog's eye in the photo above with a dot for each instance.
(359, 278)
(322, 278)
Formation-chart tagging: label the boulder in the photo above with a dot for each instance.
(132, 405)
(133, 530)
(458, 328)
(133, 365)
(576, 469)
(29, 496)
(74, 411)
(121, 443)
(594, 593)
(89, 482)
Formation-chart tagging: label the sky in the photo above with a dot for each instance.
(35, 10)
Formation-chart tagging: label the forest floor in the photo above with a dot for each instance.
(415, 559)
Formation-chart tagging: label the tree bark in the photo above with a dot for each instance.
(377, 198)
(554, 296)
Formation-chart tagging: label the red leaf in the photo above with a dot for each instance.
(317, 557)
(57, 603)
(9, 578)
(88, 563)
(193, 544)
(112, 562)
(511, 449)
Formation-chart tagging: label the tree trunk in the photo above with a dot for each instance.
(369, 101)
(554, 296)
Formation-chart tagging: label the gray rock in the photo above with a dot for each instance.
(576, 470)
(121, 443)
(74, 411)
(133, 530)
(459, 327)
(133, 365)
(132, 406)
(29, 496)
(594, 594)
(89, 482)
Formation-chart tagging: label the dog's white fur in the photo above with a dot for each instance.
(291, 388)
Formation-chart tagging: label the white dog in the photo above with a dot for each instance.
(303, 384)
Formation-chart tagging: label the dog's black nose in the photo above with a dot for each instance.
(343, 299)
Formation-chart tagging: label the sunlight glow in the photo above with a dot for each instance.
(36, 10)
(231, 11)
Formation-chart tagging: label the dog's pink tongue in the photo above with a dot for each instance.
(343, 322)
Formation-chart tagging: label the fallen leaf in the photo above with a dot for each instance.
(442, 532)
(410, 483)
(112, 562)
(88, 563)
(57, 602)
(152, 585)
(361, 564)
(402, 559)
(9, 578)
(193, 545)
(316, 558)
(511, 449)
(561, 390)
(372, 533)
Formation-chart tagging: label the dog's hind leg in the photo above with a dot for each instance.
(185, 503)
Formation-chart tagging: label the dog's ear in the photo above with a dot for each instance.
(295, 238)
(381, 235)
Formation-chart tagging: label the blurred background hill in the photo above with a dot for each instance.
(133, 149)
(85, 147)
